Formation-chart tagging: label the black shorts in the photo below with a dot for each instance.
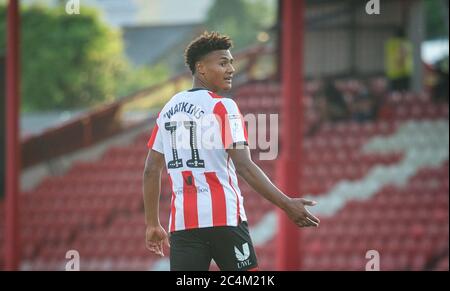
(230, 246)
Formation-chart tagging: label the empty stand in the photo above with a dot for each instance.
(96, 207)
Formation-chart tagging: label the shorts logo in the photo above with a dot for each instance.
(242, 256)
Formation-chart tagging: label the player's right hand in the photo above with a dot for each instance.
(298, 213)
(155, 237)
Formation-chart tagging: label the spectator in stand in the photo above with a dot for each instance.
(399, 61)
(318, 113)
(364, 104)
(336, 106)
(439, 90)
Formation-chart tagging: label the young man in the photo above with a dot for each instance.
(202, 155)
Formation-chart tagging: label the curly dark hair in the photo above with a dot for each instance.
(204, 44)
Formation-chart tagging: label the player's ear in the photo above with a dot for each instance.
(200, 67)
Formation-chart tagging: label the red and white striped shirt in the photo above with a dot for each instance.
(193, 131)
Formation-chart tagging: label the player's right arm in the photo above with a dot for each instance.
(255, 177)
(155, 234)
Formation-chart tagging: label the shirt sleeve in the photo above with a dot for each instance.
(155, 142)
(232, 126)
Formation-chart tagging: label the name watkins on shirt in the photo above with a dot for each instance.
(186, 107)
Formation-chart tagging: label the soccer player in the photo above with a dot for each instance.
(207, 219)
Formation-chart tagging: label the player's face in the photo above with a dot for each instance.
(217, 70)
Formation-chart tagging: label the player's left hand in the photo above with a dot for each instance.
(298, 213)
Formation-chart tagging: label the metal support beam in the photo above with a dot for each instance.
(12, 226)
(288, 238)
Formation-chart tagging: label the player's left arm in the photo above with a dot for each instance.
(257, 179)
(236, 144)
